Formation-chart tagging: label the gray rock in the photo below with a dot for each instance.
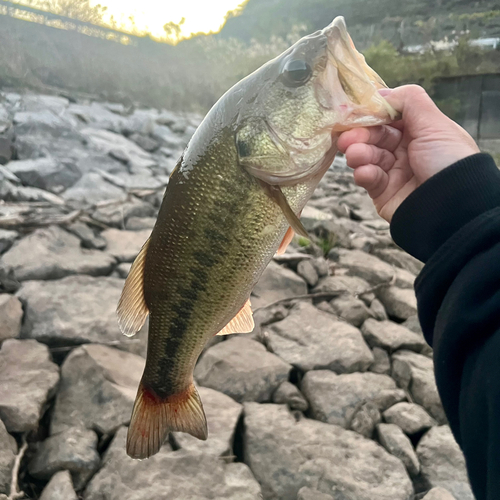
(100, 162)
(391, 336)
(8, 281)
(28, 378)
(123, 269)
(52, 253)
(392, 438)
(387, 398)
(67, 145)
(399, 303)
(6, 149)
(46, 173)
(366, 419)
(117, 214)
(404, 279)
(87, 236)
(400, 259)
(366, 266)
(311, 339)
(43, 122)
(92, 189)
(306, 270)
(306, 493)
(439, 494)
(10, 192)
(382, 363)
(125, 245)
(352, 310)
(443, 464)
(378, 310)
(168, 138)
(415, 373)
(8, 446)
(413, 324)
(322, 266)
(11, 312)
(7, 237)
(76, 310)
(97, 115)
(286, 455)
(97, 390)
(342, 284)
(169, 475)
(145, 142)
(336, 398)
(138, 223)
(242, 369)
(289, 394)
(222, 414)
(410, 417)
(60, 487)
(74, 450)
(53, 103)
(277, 283)
(310, 216)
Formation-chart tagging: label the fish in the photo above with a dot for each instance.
(233, 201)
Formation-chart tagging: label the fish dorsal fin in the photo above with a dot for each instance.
(241, 323)
(132, 310)
(286, 241)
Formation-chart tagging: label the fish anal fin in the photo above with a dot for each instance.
(242, 322)
(154, 417)
(132, 310)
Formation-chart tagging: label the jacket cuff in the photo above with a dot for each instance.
(445, 203)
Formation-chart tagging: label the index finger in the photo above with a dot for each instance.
(383, 136)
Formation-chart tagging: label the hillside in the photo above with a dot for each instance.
(409, 22)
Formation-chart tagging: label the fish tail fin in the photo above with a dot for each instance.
(154, 417)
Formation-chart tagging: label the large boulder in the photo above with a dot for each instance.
(169, 475)
(242, 369)
(28, 378)
(60, 487)
(311, 339)
(286, 455)
(52, 253)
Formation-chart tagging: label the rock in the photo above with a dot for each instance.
(138, 223)
(53, 103)
(92, 189)
(392, 438)
(289, 394)
(8, 281)
(117, 214)
(404, 279)
(123, 269)
(352, 310)
(443, 464)
(310, 216)
(365, 420)
(74, 450)
(342, 284)
(145, 142)
(391, 336)
(322, 266)
(439, 494)
(87, 236)
(378, 310)
(169, 475)
(382, 363)
(400, 303)
(98, 116)
(242, 369)
(43, 122)
(415, 373)
(23, 194)
(11, 312)
(8, 446)
(306, 270)
(285, 455)
(400, 259)
(28, 378)
(311, 339)
(366, 266)
(306, 493)
(52, 253)
(168, 138)
(410, 417)
(387, 398)
(60, 487)
(125, 245)
(6, 150)
(277, 283)
(6, 239)
(336, 398)
(46, 173)
(76, 310)
(222, 414)
(97, 390)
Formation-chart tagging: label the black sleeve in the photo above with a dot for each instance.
(452, 223)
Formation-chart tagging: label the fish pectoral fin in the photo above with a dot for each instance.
(277, 195)
(132, 310)
(286, 241)
(242, 322)
(154, 417)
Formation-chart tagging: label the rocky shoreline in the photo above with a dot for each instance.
(331, 397)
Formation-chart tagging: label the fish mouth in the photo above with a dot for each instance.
(355, 85)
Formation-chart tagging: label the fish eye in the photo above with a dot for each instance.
(296, 72)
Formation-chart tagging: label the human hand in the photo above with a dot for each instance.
(391, 161)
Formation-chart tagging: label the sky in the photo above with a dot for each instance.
(151, 15)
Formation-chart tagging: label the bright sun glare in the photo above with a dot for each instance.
(151, 15)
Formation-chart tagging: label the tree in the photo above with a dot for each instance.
(173, 30)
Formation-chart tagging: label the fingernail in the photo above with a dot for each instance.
(385, 92)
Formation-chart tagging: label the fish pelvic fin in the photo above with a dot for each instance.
(154, 417)
(242, 322)
(132, 310)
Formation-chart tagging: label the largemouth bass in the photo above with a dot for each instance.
(232, 201)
